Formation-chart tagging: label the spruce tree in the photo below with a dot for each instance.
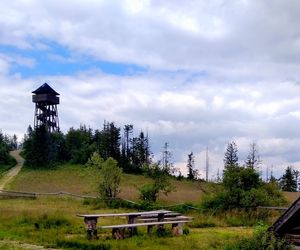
(192, 172)
(40, 149)
(109, 140)
(231, 156)
(5, 158)
(288, 181)
(253, 159)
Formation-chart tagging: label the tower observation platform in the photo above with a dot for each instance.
(46, 100)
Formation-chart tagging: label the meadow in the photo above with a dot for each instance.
(52, 222)
(81, 180)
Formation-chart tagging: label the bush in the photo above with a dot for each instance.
(149, 193)
(215, 202)
(242, 189)
(266, 195)
(111, 177)
(148, 206)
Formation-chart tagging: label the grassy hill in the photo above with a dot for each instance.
(78, 179)
(81, 180)
(58, 224)
(52, 222)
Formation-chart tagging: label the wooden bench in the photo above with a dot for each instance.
(91, 220)
(118, 231)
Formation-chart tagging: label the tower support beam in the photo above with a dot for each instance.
(46, 100)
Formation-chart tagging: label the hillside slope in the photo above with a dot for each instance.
(80, 180)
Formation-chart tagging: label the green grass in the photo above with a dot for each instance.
(81, 180)
(52, 222)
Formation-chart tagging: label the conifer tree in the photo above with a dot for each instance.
(192, 172)
(5, 158)
(231, 156)
(253, 159)
(288, 181)
(167, 165)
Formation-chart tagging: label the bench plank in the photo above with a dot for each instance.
(166, 219)
(144, 224)
(154, 213)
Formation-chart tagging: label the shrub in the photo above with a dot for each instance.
(148, 206)
(150, 192)
(266, 195)
(111, 178)
(95, 161)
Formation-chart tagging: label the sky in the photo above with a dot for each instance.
(195, 74)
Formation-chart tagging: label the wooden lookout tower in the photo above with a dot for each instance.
(46, 100)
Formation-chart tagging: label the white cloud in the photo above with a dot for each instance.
(215, 71)
(232, 39)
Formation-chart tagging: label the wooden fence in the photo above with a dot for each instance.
(18, 194)
(33, 195)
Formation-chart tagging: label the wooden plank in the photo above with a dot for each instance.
(155, 215)
(273, 208)
(167, 218)
(156, 212)
(144, 224)
(179, 218)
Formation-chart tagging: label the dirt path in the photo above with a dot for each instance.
(14, 171)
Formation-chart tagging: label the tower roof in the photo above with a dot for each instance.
(45, 89)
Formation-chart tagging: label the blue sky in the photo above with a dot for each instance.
(195, 74)
(58, 60)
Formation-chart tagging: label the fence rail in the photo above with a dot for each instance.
(6, 193)
(33, 195)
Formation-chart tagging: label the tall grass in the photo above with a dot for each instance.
(52, 222)
(261, 239)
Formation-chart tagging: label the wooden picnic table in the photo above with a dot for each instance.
(91, 220)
